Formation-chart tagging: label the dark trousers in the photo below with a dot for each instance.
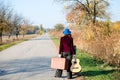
(68, 56)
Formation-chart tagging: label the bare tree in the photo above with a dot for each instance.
(24, 27)
(9, 27)
(4, 12)
(17, 21)
(59, 27)
(86, 9)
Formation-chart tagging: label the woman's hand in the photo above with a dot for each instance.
(74, 57)
(59, 55)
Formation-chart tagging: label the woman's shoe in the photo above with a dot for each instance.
(57, 76)
(70, 78)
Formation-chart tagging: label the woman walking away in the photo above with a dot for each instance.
(66, 50)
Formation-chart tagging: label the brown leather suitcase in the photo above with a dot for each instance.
(59, 63)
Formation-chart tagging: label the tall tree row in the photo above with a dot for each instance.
(10, 22)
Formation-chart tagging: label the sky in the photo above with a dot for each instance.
(115, 10)
(49, 13)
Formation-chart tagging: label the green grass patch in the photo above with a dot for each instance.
(92, 69)
(55, 40)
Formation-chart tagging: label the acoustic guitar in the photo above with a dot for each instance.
(75, 68)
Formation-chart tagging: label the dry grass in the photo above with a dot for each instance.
(103, 47)
(20, 37)
(8, 42)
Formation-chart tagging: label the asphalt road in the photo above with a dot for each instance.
(29, 60)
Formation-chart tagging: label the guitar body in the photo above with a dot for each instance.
(75, 68)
